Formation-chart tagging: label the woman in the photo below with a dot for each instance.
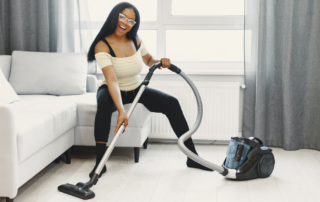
(119, 52)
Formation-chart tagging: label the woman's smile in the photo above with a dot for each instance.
(122, 28)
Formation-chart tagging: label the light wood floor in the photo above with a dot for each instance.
(161, 175)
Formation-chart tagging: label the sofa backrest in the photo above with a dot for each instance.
(5, 64)
(48, 73)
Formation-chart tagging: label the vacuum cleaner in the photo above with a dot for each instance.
(247, 158)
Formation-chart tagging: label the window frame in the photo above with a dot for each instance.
(165, 21)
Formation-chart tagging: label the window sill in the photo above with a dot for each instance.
(205, 68)
(211, 72)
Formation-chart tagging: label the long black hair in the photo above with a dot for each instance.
(110, 26)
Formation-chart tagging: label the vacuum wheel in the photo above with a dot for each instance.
(266, 165)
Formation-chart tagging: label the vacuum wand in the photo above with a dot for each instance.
(119, 132)
(82, 190)
(121, 129)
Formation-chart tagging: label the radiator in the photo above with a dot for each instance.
(220, 101)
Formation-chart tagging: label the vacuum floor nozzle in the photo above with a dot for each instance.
(79, 190)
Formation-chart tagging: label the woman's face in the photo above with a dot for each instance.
(123, 27)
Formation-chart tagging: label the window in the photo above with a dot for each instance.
(201, 37)
(212, 46)
(207, 7)
(100, 9)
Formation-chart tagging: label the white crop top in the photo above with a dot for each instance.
(127, 69)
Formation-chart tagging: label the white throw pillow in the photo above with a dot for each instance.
(48, 73)
(7, 94)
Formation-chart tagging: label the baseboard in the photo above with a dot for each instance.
(205, 142)
(175, 141)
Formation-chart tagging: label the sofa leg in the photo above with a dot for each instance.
(68, 156)
(136, 154)
(9, 200)
(145, 144)
(57, 160)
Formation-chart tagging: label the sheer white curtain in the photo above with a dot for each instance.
(83, 29)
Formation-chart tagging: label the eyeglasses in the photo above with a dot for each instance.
(122, 18)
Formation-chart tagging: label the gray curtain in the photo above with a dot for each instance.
(282, 73)
(44, 26)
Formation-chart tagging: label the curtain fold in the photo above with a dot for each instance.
(282, 71)
(83, 31)
(44, 26)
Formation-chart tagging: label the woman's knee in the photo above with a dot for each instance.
(172, 103)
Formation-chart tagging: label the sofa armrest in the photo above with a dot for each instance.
(91, 83)
(5, 64)
(8, 152)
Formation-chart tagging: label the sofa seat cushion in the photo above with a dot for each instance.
(87, 108)
(63, 113)
(35, 99)
(34, 131)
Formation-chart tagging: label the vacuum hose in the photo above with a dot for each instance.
(195, 126)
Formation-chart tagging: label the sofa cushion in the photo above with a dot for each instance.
(27, 101)
(7, 94)
(48, 73)
(34, 131)
(87, 108)
(133, 137)
(32, 100)
(139, 116)
(63, 113)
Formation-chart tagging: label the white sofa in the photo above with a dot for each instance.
(40, 127)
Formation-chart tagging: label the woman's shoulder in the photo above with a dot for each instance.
(101, 46)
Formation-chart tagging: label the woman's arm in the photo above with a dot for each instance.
(114, 89)
(149, 60)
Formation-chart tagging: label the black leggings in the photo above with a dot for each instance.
(153, 100)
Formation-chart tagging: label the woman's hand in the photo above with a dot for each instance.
(165, 63)
(122, 117)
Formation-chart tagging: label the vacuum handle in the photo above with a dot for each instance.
(175, 69)
(150, 73)
(153, 68)
(257, 139)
